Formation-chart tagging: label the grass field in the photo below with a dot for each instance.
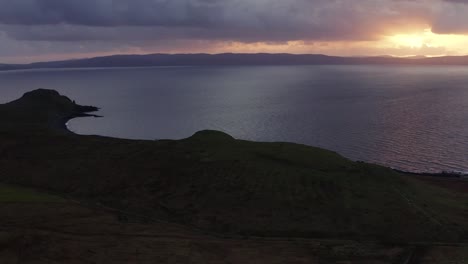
(11, 194)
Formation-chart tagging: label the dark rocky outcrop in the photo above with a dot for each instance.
(51, 100)
(42, 109)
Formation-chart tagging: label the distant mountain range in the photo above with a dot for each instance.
(227, 59)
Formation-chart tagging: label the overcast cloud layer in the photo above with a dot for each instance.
(32, 29)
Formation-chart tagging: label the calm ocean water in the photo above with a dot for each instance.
(411, 118)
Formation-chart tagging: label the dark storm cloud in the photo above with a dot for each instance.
(110, 12)
(452, 18)
(457, 1)
(238, 20)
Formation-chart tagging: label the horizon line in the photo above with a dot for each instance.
(236, 53)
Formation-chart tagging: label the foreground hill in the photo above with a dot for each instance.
(43, 228)
(228, 59)
(223, 186)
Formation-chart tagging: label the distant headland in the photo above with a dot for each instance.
(234, 59)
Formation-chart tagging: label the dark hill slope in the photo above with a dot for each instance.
(217, 183)
(41, 110)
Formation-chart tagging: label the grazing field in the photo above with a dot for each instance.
(12, 194)
(72, 233)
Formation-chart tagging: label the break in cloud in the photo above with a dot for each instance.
(43, 29)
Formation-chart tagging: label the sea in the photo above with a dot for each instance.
(412, 118)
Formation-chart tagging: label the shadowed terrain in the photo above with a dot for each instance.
(208, 199)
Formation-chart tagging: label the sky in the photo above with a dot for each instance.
(38, 30)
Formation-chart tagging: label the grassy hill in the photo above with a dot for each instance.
(13, 194)
(216, 183)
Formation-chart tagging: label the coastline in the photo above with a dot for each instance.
(90, 109)
(62, 124)
(443, 174)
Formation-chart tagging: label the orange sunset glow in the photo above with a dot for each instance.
(423, 43)
(338, 28)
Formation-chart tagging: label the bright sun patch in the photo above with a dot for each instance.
(429, 39)
(413, 41)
